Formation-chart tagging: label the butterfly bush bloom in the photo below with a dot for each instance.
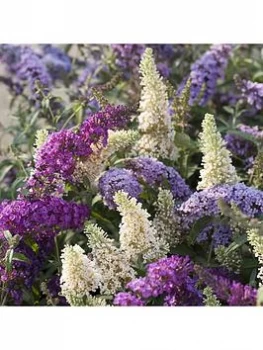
(165, 221)
(169, 279)
(155, 123)
(30, 68)
(65, 152)
(115, 180)
(205, 73)
(230, 292)
(155, 173)
(138, 237)
(217, 165)
(220, 234)
(256, 241)
(205, 204)
(79, 275)
(252, 93)
(111, 261)
(37, 221)
(56, 60)
(27, 66)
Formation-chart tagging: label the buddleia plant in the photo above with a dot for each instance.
(217, 164)
(155, 122)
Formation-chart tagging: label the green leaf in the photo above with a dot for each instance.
(20, 257)
(9, 259)
(8, 236)
(229, 110)
(239, 241)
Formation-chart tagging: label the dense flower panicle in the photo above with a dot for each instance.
(155, 173)
(206, 71)
(179, 188)
(165, 220)
(217, 165)
(37, 221)
(256, 241)
(57, 158)
(37, 216)
(112, 262)
(117, 179)
(79, 275)
(155, 123)
(252, 92)
(168, 278)
(138, 237)
(204, 203)
(25, 65)
(219, 233)
(148, 169)
(56, 60)
(32, 69)
(228, 291)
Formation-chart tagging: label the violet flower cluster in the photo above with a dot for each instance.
(168, 279)
(27, 66)
(56, 159)
(35, 222)
(204, 203)
(252, 93)
(228, 291)
(117, 179)
(155, 173)
(143, 170)
(57, 61)
(205, 73)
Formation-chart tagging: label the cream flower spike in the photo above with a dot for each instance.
(217, 164)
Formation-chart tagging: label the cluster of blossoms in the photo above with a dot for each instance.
(138, 237)
(35, 224)
(176, 281)
(155, 124)
(217, 166)
(56, 61)
(204, 203)
(252, 93)
(57, 159)
(27, 66)
(131, 206)
(206, 71)
(141, 171)
(169, 279)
